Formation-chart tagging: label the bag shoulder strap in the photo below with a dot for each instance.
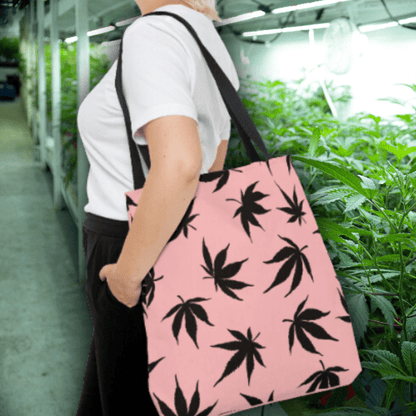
(241, 119)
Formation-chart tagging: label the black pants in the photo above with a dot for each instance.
(116, 376)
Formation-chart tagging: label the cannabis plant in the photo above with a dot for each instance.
(99, 66)
(360, 179)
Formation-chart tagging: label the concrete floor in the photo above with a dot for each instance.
(45, 324)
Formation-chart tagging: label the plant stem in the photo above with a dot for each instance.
(395, 326)
(411, 261)
(411, 396)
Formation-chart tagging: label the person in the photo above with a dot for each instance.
(177, 111)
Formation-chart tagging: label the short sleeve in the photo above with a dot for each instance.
(157, 76)
(226, 131)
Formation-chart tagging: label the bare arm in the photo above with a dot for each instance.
(176, 160)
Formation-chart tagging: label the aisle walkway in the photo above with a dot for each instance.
(45, 325)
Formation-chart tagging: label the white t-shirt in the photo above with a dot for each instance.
(164, 73)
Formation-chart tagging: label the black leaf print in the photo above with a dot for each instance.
(296, 257)
(188, 309)
(129, 203)
(246, 349)
(326, 378)
(249, 207)
(295, 209)
(148, 286)
(300, 325)
(254, 401)
(185, 223)
(224, 175)
(222, 275)
(288, 162)
(152, 365)
(181, 405)
(316, 232)
(344, 304)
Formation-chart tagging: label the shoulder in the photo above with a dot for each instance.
(153, 41)
(152, 32)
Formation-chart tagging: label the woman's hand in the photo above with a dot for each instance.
(122, 287)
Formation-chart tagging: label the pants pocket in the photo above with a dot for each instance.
(111, 298)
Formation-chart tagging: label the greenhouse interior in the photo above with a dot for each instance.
(330, 83)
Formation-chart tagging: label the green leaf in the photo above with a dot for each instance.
(353, 202)
(369, 183)
(388, 358)
(314, 142)
(386, 308)
(322, 199)
(400, 152)
(389, 258)
(359, 314)
(339, 173)
(409, 357)
(325, 225)
(411, 327)
(356, 411)
(400, 237)
(399, 377)
(383, 369)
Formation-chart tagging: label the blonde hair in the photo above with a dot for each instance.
(206, 7)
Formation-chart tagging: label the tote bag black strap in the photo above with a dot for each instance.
(241, 119)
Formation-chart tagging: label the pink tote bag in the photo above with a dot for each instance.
(243, 307)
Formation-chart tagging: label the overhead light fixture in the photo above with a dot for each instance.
(286, 29)
(304, 6)
(253, 15)
(362, 29)
(372, 28)
(92, 33)
(241, 18)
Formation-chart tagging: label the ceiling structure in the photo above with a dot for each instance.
(103, 13)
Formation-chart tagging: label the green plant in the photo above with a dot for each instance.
(360, 179)
(99, 66)
(9, 49)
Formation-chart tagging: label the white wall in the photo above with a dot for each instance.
(388, 59)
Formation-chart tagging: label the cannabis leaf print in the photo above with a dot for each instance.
(295, 209)
(323, 377)
(246, 349)
(221, 274)
(301, 324)
(344, 304)
(185, 223)
(148, 288)
(295, 257)
(224, 176)
(249, 207)
(129, 203)
(152, 365)
(254, 401)
(181, 405)
(288, 162)
(188, 309)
